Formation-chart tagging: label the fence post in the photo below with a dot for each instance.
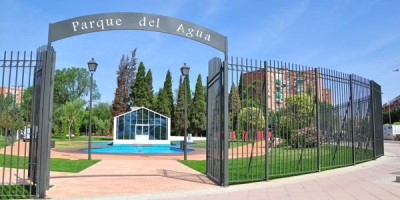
(44, 127)
(372, 113)
(266, 121)
(352, 120)
(317, 119)
(225, 119)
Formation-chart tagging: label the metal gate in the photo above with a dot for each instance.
(216, 157)
(24, 143)
(377, 119)
(287, 119)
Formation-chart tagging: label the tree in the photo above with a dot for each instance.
(300, 108)
(162, 105)
(198, 110)
(188, 91)
(168, 93)
(234, 106)
(251, 120)
(130, 70)
(26, 105)
(71, 84)
(299, 113)
(149, 89)
(252, 95)
(119, 104)
(126, 72)
(121, 95)
(102, 112)
(394, 116)
(138, 96)
(70, 112)
(240, 85)
(179, 115)
(11, 115)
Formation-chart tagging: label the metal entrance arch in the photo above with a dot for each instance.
(217, 92)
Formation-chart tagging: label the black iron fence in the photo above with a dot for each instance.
(287, 119)
(16, 95)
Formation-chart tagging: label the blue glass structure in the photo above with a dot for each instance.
(141, 126)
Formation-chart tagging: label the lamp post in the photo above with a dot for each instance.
(390, 117)
(92, 65)
(185, 72)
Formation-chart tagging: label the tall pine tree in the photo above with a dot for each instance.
(119, 104)
(240, 86)
(130, 76)
(198, 110)
(188, 93)
(179, 115)
(149, 89)
(139, 93)
(168, 94)
(234, 107)
(162, 103)
(125, 78)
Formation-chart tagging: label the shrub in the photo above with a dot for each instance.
(304, 137)
(396, 137)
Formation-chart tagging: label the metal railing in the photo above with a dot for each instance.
(287, 119)
(16, 94)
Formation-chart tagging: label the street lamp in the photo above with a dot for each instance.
(185, 72)
(92, 66)
(390, 117)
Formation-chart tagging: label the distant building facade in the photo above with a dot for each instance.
(15, 92)
(283, 83)
(392, 104)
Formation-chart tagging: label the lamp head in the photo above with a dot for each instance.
(92, 65)
(185, 70)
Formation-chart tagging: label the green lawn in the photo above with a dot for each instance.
(198, 144)
(285, 161)
(78, 142)
(3, 143)
(232, 144)
(56, 164)
(62, 144)
(16, 192)
(83, 138)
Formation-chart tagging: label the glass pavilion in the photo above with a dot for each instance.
(142, 126)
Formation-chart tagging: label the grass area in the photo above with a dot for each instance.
(66, 165)
(56, 164)
(232, 144)
(78, 142)
(201, 144)
(4, 141)
(82, 138)
(16, 192)
(286, 161)
(70, 145)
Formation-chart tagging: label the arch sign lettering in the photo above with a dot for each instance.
(135, 21)
(217, 103)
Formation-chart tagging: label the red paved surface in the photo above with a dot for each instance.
(162, 177)
(370, 180)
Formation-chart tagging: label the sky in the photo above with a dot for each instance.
(351, 36)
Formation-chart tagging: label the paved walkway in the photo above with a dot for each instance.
(167, 179)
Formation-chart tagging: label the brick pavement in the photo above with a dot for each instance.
(167, 179)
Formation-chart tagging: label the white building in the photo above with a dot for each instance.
(142, 126)
(389, 131)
